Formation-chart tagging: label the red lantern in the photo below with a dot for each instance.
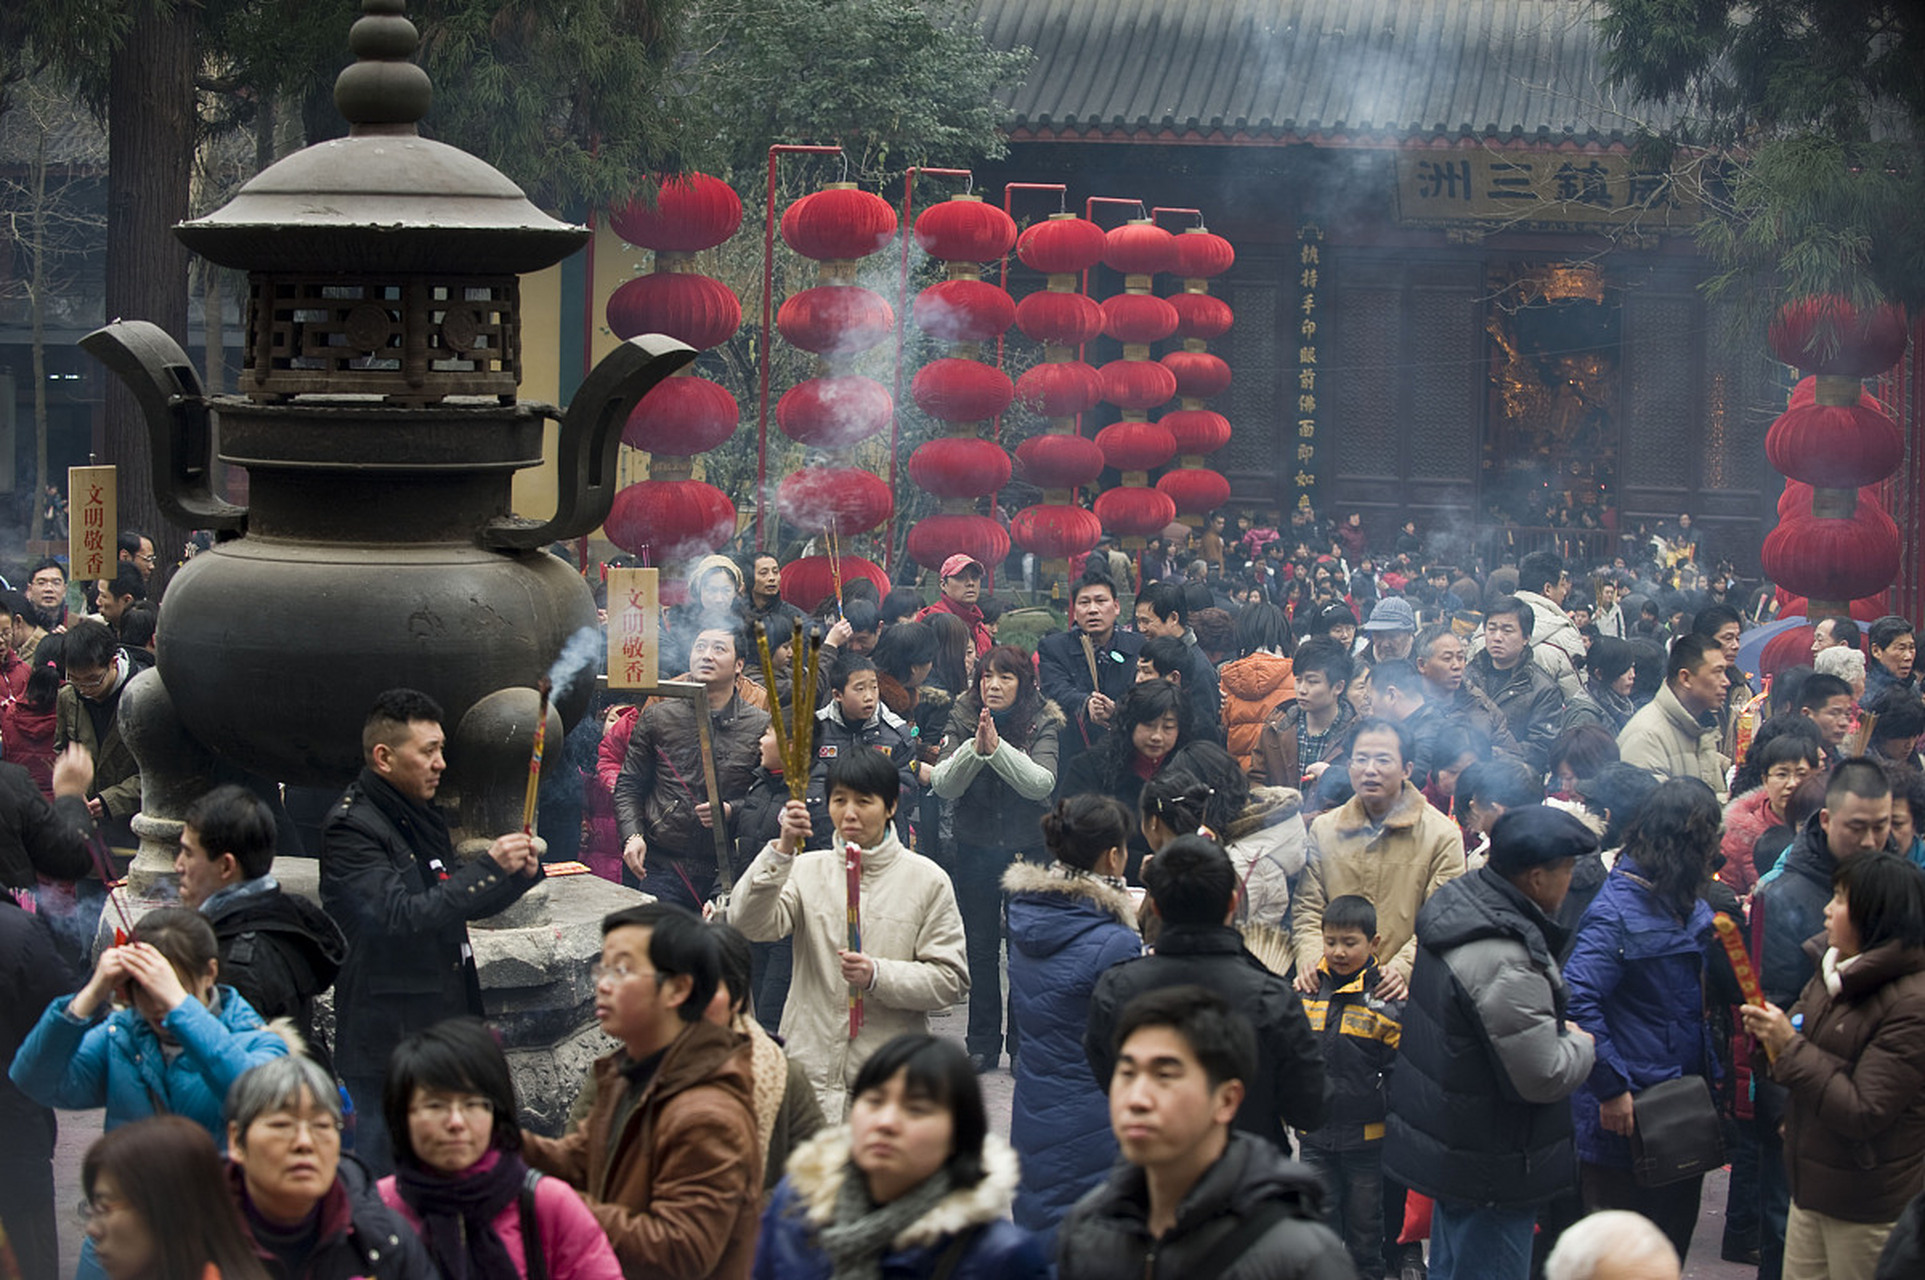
(1828, 335)
(850, 499)
(1130, 512)
(1834, 446)
(1201, 315)
(692, 212)
(1833, 559)
(1137, 384)
(1786, 649)
(1195, 490)
(1139, 248)
(1062, 245)
(965, 229)
(681, 417)
(1066, 319)
(835, 320)
(1060, 461)
(695, 309)
(1059, 390)
(935, 538)
(1197, 431)
(1138, 318)
(1136, 446)
(959, 467)
(835, 412)
(963, 311)
(670, 521)
(838, 223)
(1055, 532)
(1199, 375)
(807, 582)
(1201, 254)
(961, 390)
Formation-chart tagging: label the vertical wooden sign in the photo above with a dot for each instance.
(92, 502)
(634, 629)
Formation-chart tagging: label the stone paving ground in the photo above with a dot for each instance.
(78, 1129)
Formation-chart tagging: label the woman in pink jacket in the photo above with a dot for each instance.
(459, 1179)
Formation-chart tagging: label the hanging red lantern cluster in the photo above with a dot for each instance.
(671, 518)
(833, 412)
(1834, 546)
(1136, 384)
(1061, 389)
(960, 390)
(1196, 489)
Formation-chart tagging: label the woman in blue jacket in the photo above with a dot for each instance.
(913, 1186)
(1637, 979)
(1068, 923)
(175, 1050)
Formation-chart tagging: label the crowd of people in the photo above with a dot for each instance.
(1359, 916)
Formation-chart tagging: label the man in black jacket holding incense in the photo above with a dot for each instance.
(389, 878)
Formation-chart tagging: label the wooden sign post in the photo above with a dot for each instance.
(92, 530)
(634, 629)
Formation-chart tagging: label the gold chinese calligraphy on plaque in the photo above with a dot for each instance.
(1311, 279)
(92, 530)
(1539, 187)
(634, 629)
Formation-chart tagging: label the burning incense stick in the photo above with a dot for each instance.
(1089, 656)
(534, 761)
(799, 700)
(852, 860)
(835, 568)
(1734, 947)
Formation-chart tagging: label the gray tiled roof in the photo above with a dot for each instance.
(1311, 69)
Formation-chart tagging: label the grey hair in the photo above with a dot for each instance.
(1847, 664)
(1616, 1234)
(277, 1085)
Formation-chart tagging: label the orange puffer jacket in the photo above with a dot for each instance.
(1253, 687)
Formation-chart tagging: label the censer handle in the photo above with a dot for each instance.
(591, 438)
(179, 435)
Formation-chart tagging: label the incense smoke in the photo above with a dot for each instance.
(578, 658)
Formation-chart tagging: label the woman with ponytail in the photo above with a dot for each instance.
(1069, 921)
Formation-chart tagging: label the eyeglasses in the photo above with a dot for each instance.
(617, 973)
(285, 1128)
(98, 1207)
(149, 560)
(439, 1109)
(47, 582)
(97, 680)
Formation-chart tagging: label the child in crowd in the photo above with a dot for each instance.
(853, 718)
(1359, 1034)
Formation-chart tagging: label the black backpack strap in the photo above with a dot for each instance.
(1225, 1253)
(953, 1255)
(534, 1261)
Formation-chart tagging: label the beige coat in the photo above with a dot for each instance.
(910, 928)
(1398, 867)
(1666, 738)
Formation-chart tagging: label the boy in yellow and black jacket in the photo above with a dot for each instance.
(1358, 1031)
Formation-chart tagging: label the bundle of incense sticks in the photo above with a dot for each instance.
(794, 739)
(835, 567)
(1734, 947)
(1861, 737)
(534, 761)
(852, 858)
(1089, 656)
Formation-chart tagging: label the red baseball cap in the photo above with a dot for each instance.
(957, 563)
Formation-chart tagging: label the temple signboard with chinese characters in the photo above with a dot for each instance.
(634, 636)
(92, 536)
(1311, 270)
(1541, 188)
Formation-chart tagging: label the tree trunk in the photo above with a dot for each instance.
(150, 150)
(37, 300)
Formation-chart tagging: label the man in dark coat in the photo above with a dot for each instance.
(1193, 1196)
(277, 949)
(389, 878)
(1479, 1112)
(1064, 668)
(1193, 890)
(34, 974)
(1787, 908)
(661, 800)
(1524, 691)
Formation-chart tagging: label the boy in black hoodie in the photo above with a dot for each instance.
(1358, 1032)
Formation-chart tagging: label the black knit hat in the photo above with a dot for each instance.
(1537, 834)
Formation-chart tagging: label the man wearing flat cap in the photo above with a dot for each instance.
(1478, 1114)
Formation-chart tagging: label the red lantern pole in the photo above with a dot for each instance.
(768, 326)
(1159, 211)
(902, 312)
(1009, 190)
